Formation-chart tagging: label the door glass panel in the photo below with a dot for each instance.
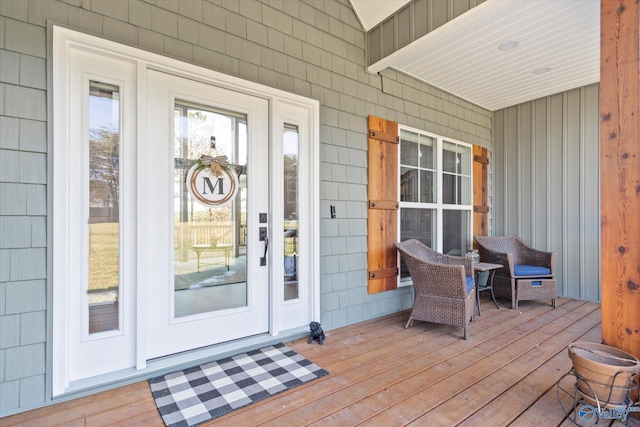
(104, 207)
(209, 240)
(290, 152)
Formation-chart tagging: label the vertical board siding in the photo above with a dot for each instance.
(526, 169)
(556, 189)
(497, 177)
(547, 190)
(572, 187)
(511, 177)
(591, 180)
(413, 21)
(404, 27)
(540, 159)
(421, 24)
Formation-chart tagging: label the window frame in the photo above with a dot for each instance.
(438, 206)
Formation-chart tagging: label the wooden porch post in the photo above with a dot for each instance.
(620, 174)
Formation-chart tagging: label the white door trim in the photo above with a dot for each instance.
(64, 40)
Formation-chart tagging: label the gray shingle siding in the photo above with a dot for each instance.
(23, 206)
(313, 48)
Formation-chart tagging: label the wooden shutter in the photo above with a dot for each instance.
(480, 190)
(383, 205)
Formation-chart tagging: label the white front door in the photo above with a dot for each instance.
(204, 261)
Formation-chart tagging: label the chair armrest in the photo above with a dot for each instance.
(439, 279)
(466, 262)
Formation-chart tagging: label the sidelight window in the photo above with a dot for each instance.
(103, 293)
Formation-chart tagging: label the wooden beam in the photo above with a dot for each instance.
(620, 174)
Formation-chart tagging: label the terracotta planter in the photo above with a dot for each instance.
(607, 372)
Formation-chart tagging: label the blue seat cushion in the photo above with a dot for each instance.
(469, 283)
(531, 270)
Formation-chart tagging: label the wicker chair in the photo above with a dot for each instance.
(444, 285)
(527, 273)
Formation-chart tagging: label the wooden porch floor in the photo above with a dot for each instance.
(381, 374)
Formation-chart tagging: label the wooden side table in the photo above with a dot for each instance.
(479, 267)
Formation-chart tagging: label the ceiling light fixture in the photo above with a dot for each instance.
(543, 70)
(508, 45)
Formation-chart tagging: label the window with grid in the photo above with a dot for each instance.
(435, 192)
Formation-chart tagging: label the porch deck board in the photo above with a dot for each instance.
(455, 378)
(382, 364)
(520, 398)
(545, 411)
(510, 373)
(383, 374)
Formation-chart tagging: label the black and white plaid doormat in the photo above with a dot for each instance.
(199, 394)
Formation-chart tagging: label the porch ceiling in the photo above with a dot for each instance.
(463, 57)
